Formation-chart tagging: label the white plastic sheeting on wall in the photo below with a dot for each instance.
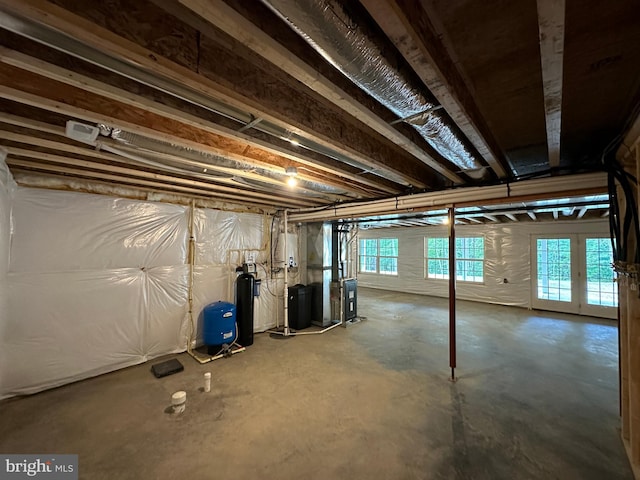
(225, 237)
(98, 283)
(7, 186)
(92, 231)
(95, 284)
(223, 241)
(507, 257)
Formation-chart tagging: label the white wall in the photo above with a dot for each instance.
(507, 256)
(97, 283)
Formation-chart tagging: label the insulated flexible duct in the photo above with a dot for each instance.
(148, 146)
(336, 35)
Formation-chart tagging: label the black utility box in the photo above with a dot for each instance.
(350, 288)
(299, 306)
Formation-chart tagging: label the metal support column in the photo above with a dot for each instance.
(452, 292)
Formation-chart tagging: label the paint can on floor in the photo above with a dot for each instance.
(178, 401)
(207, 382)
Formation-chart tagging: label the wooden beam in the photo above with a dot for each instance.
(212, 188)
(319, 127)
(581, 213)
(511, 217)
(473, 219)
(551, 28)
(31, 166)
(405, 22)
(555, 214)
(532, 215)
(91, 152)
(227, 19)
(32, 124)
(490, 217)
(156, 128)
(53, 72)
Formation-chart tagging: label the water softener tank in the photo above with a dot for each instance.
(245, 284)
(219, 323)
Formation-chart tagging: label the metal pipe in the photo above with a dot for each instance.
(286, 278)
(452, 291)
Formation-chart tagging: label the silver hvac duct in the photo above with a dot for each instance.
(149, 147)
(337, 36)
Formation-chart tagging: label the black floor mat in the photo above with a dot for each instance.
(169, 367)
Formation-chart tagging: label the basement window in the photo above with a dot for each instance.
(378, 255)
(469, 258)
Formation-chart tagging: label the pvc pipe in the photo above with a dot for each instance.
(286, 278)
(551, 186)
(191, 250)
(203, 360)
(315, 332)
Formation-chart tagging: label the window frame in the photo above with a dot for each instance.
(378, 257)
(444, 259)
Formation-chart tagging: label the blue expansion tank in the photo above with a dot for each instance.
(219, 323)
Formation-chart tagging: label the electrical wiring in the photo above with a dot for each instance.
(621, 228)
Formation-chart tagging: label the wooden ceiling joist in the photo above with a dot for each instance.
(127, 172)
(230, 21)
(347, 140)
(60, 147)
(581, 213)
(144, 116)
(90, 85)
(30, 166)
(156, 128)
(551, 26)
(406, 24)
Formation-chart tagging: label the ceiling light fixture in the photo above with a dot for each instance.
(291, 172)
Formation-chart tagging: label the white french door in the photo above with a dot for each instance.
(573, 274)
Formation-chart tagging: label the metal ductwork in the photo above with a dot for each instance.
(194, 161)
(336, 34)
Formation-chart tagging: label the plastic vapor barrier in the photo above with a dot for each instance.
(226, 237)
(7, 186)
(98, 283)
(92, 231)
(507, 260)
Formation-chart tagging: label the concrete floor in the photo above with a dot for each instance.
(536, 398)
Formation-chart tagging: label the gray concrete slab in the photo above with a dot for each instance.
(536, 398)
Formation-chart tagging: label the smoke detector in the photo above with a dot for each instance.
(81, 132)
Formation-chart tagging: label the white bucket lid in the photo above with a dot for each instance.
(179, 398)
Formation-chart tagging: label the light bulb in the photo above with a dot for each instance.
(292, 182)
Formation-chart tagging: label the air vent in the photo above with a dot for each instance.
(82, 132)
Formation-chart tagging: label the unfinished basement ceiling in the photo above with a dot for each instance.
(361, 100)
(588, 207)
